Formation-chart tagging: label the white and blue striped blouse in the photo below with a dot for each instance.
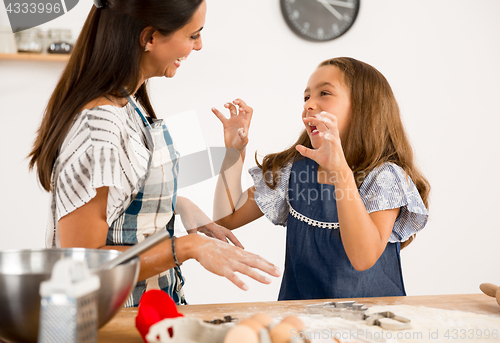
(385, 187)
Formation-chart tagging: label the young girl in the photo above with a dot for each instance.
(348, 190)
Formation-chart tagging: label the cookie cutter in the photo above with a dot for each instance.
(218, 321)
(397, 322)
(351, 310)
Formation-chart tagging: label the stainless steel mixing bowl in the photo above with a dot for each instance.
(22, 271)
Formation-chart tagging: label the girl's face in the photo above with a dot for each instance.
(165, 53)
(327, 92)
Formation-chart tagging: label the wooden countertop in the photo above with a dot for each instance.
(121, 329)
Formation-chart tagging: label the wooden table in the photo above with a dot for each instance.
(121, 329)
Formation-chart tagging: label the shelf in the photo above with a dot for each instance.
(35, 57)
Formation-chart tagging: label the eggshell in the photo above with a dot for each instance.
(295, 322)
(262, 318)
(241, 334)
(282, 333)
(253, 324)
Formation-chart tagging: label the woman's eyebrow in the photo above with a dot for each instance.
(195, 32)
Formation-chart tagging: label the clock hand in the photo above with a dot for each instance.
(331, 9)
(341, 3)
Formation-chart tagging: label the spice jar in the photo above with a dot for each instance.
(59, 41)
(30, 40)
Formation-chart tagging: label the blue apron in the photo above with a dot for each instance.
(316, 264)
(153, 208)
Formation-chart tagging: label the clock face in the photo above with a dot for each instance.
(320, 20)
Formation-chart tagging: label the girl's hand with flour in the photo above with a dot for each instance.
(329, 154)
(195, 220)
(237, 125)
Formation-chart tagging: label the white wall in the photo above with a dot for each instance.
(442, 60)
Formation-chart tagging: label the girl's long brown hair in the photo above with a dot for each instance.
(105, 60)
(374, 135)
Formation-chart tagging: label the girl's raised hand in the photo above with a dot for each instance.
(237, 125)
(330, 154)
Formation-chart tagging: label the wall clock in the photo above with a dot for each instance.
(320, 20)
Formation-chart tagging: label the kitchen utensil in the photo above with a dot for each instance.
(22, 271)
(186, 330)
(491, 290)
(350, 309)
(69, 304)
(396, 322)
(155, 306)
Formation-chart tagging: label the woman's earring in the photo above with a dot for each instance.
(146, 49)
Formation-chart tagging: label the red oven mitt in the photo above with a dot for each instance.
(155, 305)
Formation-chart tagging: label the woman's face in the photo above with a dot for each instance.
(327, 92)
(165, 53)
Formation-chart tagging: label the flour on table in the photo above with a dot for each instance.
(428, 325)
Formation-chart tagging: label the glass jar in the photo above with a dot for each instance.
(59, 41)
(30, 40)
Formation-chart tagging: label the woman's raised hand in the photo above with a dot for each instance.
(237, 125)
(225, 260)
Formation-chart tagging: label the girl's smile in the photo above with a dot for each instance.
(326, 91)
(313, 130)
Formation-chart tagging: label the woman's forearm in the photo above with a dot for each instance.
(160, 258)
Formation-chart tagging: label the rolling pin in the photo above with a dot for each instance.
(491, 290)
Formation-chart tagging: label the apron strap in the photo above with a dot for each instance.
(136, 108)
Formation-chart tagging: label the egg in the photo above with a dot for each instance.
(282, 333)
(295, 322)
(262, 318)
(253, 324)
(241, 334)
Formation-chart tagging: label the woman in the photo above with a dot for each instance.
(110, 164)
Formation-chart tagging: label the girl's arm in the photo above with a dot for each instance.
(246, 211)
(195, 220)
(87, 227)
(233, 207)
(364, 235)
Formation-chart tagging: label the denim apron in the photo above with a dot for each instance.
(153, 207)
(316, 264)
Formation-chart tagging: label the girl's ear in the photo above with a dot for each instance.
(147, 36)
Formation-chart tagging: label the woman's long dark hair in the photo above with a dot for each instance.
(105, 60)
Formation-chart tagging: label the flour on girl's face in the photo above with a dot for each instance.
(327, 92)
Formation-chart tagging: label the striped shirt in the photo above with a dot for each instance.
(105, 147)
(385, 187)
